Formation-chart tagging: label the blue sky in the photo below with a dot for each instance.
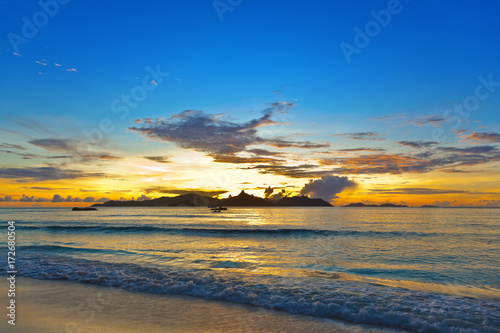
(428, 57)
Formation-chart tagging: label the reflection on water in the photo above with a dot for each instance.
(424, 247)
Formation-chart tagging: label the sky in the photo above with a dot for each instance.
(349, 101)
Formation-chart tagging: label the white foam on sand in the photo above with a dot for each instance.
(62, 306)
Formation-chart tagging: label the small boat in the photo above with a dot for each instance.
(218, 209)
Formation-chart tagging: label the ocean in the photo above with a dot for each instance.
(416, 269)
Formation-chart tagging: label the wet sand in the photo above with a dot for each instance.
(62, 306)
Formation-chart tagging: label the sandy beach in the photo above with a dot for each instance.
(62, 306)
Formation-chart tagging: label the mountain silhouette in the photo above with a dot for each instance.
(196, 200)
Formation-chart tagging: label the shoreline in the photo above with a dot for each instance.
(56, 306)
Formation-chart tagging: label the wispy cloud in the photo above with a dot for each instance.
(264, 152)
(425, 191)
(39, 174)
(242, 159)
(11, 146)
(469, 150)
(372, 136)
(353, 150)
(177, 191)
(159, 159)
(389, 117)
(418, 144)
(25, 156)
(485, 137)
(70, 148)
(217, 137)
(435, 120)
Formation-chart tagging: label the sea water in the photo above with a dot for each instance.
(419, 269)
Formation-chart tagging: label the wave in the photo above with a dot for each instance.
(63, 249)
(332, 298)
(284, 232)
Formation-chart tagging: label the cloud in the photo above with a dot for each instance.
(89, 199)
(26, 198)
(204, 132)
(372, 136)
(389, 117)
(424, 191)
(51, 144)
(488, 137)
(360, 149)
(327, 187)
(41, 63)
(71, 148)
(143, 197)
(57, 198)
(6, 198)
(436, 121)
(446, 159)
(378, 164)
(417, 144)
(171, 190)
(38, 174)
(240, 159)
(264, 152)
(69, 198)
(445, 203)
(490, 203)
(25, 156)
(159, 159)
(71, 70)
(296, 171)
(282, 143)
(453, 171)
(215, 136)
(470, 150)
(11, 146)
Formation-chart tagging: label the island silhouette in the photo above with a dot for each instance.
(197, 200)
